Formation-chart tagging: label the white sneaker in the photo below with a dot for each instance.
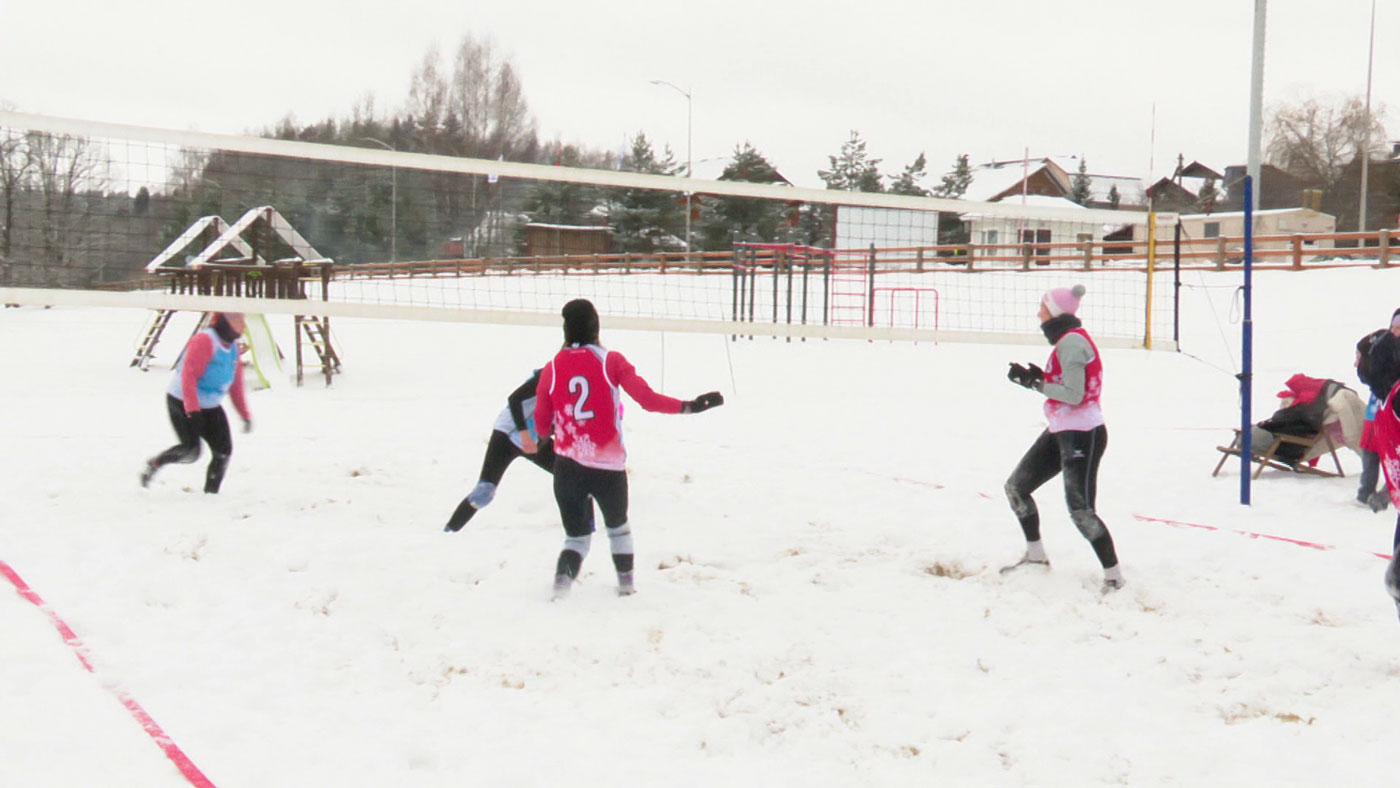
(625, 584)
(562, 584)
(1113, 584)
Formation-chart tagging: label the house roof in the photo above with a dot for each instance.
(993, 181)
(1166, 188)
(1130, 190)
(1198, 170)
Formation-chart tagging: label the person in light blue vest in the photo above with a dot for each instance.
(207, 371)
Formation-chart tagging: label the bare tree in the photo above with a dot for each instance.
(1315, 140)
(70, 174)
(15, 164)
(427, 94)
(486, 97)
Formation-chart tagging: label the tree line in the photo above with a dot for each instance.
(64, 219)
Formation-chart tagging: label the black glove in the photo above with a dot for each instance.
(1030, 377)
(247, 426)
(703, 402)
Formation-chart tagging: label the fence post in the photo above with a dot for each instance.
(919, 262)
(1088, 254)
(870, 290)
(1384, 238)
(971, 254)
(1220, 253)
(1297, 252)
(1025, 257)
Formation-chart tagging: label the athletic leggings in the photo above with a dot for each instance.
(501, 452)
(576, 487)
(208, 424)
(1076, 455)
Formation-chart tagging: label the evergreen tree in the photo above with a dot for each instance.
(559, 202)
(724, 220)
(645, 220)
(1114, 197)
(909, 180)
(1205, 200)
(1079, 184)
(955, 182)
(853, 170)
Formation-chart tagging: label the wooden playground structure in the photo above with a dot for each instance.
(259, 256)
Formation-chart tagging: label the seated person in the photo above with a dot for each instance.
(1303, 414)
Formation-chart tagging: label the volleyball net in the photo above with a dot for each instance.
(109, 214)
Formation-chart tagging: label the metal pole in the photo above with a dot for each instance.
(1247, 345)
(689, 164)
(1176, 287)
(689, 160)
(1365, 146)
(1256, 96)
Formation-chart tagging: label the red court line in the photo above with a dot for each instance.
(149, 725)
(1250, 534)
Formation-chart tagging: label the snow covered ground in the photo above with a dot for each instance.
(819, 602)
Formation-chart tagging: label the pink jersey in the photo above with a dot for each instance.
(1087, 414)
(1387, 427)
(578, 394)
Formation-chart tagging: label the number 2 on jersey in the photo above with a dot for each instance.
(578, 384)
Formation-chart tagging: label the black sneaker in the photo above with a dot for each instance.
(1380, 501)
(147, 473)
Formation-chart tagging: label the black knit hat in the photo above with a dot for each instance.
(580, 322)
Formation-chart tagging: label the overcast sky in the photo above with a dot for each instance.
(989, 78)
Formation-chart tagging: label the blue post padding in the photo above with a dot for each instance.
(1247, 344)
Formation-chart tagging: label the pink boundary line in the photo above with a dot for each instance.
(1250, 534)
(149, 725)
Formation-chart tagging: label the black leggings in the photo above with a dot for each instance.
(207, 424)
(500, 453)
(1076, 455)
(575, 484)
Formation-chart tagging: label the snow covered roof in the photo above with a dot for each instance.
(1130, 190)
(989, 180)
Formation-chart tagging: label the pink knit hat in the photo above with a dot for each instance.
(1063, 300)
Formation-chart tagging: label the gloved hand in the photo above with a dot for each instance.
(1030, 377)
(247, 426)
(711, 399)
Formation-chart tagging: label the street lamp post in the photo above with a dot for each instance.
(688, 161)
(1366, 132)
(393, 200)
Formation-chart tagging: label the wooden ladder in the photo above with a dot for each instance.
(316, 332)
(146, 349)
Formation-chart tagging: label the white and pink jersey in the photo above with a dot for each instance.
(578, 394)
(1086, 415)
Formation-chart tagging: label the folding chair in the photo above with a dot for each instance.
(1314, 446)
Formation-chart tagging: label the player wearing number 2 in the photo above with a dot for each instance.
(578, 400)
